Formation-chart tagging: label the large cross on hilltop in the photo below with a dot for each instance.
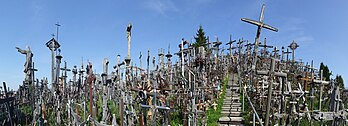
(259, 25)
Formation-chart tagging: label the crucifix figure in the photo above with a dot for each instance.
(28, 63)
(129, 33)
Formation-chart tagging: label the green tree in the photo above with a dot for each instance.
(326, 71)
(340, 81)
(200, 38)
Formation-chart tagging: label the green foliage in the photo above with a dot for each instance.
(176, 118)
(114, 110)
(213, 116)
(26, 109)
(340, 81)
(99, 108)
(200, 38)
(326, 71)
(247, 114)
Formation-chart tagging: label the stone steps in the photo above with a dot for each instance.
(230, 125)
(231, 120)
(234, 109)
(230, 105)
(231, 114)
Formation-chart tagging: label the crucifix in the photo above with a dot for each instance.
(265, 46)
(129, 33)
(260, 24)
(28, 63)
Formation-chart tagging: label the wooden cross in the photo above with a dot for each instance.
(275, 51)
(293, 47)
(260, 24)
(65, 69)
(7, 103)
(231, 47)
(90, 80)
(265, 46)
(287, 54)
(239, 43)
(306, 79)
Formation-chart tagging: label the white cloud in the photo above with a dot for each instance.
(304, 39)
(293, 28)
(293, 24)
(161, 6)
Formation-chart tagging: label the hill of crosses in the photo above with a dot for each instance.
(249, 83)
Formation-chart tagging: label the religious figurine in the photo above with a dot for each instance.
(199, 105)
(215, 106)
(28, 62)
(129, 33)
(207, 106)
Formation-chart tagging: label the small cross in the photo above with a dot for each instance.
(58, 25)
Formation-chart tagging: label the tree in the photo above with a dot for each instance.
(340, 81)
(326, 71)
(200, 38)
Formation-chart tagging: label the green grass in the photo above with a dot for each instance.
(115, 110)
(176, 118)
(213, 116)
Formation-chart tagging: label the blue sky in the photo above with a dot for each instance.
(95, 30)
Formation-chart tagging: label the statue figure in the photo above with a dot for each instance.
(28, 62)
(129, 33)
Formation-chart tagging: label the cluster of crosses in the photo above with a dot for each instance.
(277, 90)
